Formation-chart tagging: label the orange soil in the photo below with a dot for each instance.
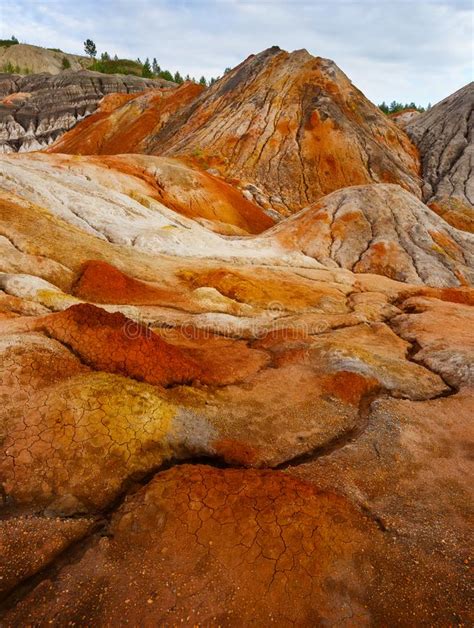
(101, 282)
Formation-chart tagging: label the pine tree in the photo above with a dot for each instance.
(146, 69)
(90, 48)
(166, 75)
(202, 81)
(105, 56)
(178, 78)
(155, 67)
(115, 58)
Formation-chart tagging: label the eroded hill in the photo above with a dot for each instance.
(288, 127)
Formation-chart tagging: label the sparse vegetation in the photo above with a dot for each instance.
(9, 68)
(66, 64)
(166, 75)
(146, 69)
(117, 66)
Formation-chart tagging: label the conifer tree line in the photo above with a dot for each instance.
(395, 107)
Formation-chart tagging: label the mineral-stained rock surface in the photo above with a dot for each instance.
(444, 136)
(289, 127)
(208, 419)
(36, 109)
(381, 229)
(275, 548)
(154, 202)
(125, 124)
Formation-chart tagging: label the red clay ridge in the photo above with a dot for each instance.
(116, 344)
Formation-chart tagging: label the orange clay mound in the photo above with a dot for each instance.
(456, 212)
(110, 102)
(327, 360)
(287, 127)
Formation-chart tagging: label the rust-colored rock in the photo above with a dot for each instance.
(29, 544)
(455, 212)
(36, 109)
(100, 282)
(411, 471)
(277, 549)
(381, 229)
(199, 195)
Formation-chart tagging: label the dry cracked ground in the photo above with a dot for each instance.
(236, 364)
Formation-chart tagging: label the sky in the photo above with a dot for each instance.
(400, 50)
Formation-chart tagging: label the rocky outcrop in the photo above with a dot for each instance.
(118, 362)
(378, 229)
(158, 202)
(276, 548)
(404, 117)
(36, 109)
(444, 136)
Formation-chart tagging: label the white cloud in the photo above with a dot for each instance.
(391, 49)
